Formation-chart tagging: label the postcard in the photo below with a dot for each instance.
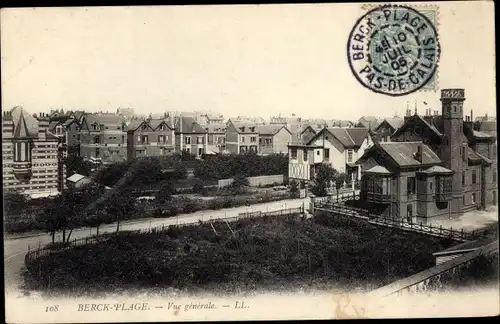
(249, 162)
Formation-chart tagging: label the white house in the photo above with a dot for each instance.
(338, 147)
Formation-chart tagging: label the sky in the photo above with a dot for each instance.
(259, 60)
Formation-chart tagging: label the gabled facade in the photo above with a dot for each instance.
(103, 138)
(151, 137)
(457, 172)
(216, 134)
(274, 139)
(242, 137)
(190, 136)
(338, 147)
(32, 157)
(387, 127)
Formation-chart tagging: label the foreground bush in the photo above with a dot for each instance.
(263, 251)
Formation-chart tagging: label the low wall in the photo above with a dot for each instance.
(257, 181)
(437, 277)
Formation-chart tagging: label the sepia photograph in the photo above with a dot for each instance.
(249, 162)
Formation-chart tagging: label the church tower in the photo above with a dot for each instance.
(453, 152)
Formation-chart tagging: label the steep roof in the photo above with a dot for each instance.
(21, 128)
(403, 153)
(245, 127)
(52, 125)
(357, 135)
(270, 129)
(342, 136)
(188, 125)
(31, 122)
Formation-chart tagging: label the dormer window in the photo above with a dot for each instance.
(94, 127)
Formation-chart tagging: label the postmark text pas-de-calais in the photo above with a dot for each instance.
(393, 50)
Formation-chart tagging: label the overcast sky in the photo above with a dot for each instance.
(237, 60)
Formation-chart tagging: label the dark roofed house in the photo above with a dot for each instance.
(387, 127)
(216, 137)
(242, 137)
(190, 136)
(273, 139)
(103, 138)
(429, 158)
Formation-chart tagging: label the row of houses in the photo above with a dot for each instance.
(440, 164)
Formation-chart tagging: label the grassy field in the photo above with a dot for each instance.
(262, 252)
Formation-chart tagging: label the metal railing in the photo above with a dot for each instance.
(454, 234)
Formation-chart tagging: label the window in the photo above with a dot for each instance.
(327, 154)
(97, 140)
(409, 213)
(144, 127)
(317, 152)
(188, 140)
(138, 138)
(462, 152)
(474, 175)
(242, 139)
(253, 139)
(97, 152)
(411, 185)
(473, 198)
(199, 140)
(463, 178)
(162, 127)
(188, 150)
(200, 151)
(94, 126)
(430, 186)
(144, 139)
(349, 156)
(161, 138)
(305, 155)
(494, 176)
(260, 140)
(294, 154)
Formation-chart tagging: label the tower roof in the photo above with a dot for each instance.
(21, 128)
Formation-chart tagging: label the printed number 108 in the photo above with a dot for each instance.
(52, 308)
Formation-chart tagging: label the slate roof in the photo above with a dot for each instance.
(216, 128)
(21, 128)
(104, 119)
(269, 129)
(186, 125)
(52, 125)
(31, 122)
(403, 153)
(357, 135)
(245, 128)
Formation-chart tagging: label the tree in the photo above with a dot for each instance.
(95, 220)
(324, 175)
(165, 192)
(340, 179)
(294, 189)
(119, 204)
(76, 164)
(180, 171)
(14, 203)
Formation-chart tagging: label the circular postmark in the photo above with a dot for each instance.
(393, 50)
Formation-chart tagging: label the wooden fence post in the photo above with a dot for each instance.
(441, 230)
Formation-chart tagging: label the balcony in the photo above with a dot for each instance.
(443, 189)
(378, 198)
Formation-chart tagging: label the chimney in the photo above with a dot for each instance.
(471, 115)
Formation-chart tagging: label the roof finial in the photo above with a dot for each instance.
(416, 113)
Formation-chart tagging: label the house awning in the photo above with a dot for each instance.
(378, 169)
(437, 169)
